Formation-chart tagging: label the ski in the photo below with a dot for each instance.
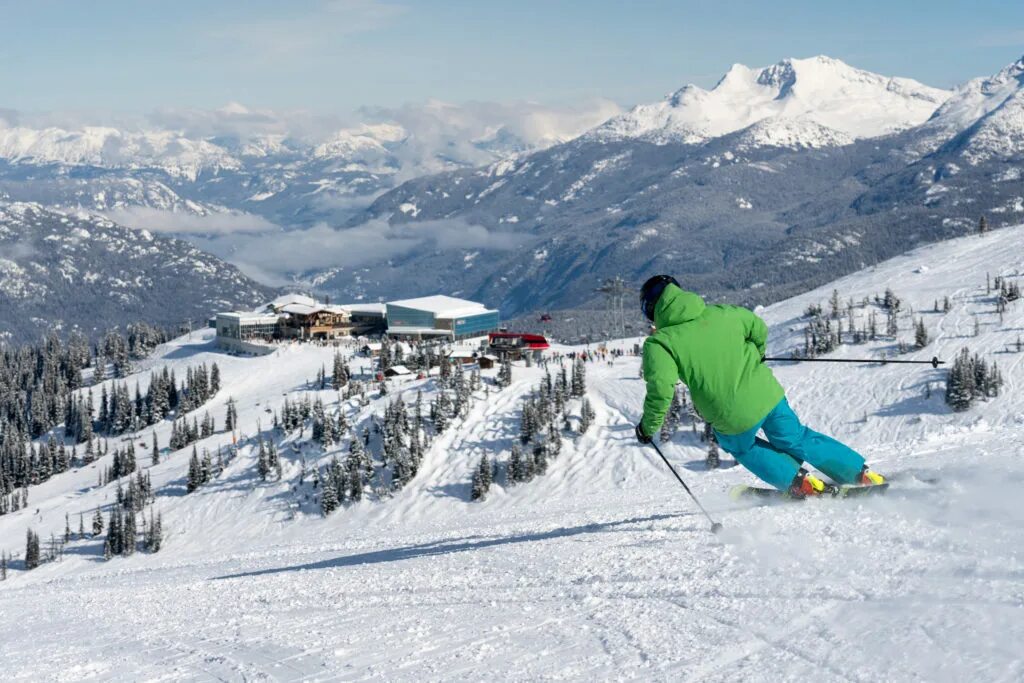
(744, 491)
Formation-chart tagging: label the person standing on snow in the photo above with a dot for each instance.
(717, 352)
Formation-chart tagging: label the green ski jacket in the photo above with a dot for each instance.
(716, 351)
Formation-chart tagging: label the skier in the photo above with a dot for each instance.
(717, 352)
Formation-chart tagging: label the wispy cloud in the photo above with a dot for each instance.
(275, 257)
(181, 223)
(304, 32)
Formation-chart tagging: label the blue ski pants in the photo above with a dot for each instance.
(787, 445)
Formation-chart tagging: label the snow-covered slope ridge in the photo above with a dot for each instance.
(798, 102)
(989, 112)
(600, 569)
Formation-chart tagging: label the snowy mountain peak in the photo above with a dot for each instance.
(823, 91)
(984, 118)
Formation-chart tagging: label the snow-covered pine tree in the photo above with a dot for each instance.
(481, 479)
(329, 497)
(262, 461)
(540, 459)
(579, 378)
(128, 534)
(97, 523)
(920, 334)
(356, 477)
(206, 467)
(231, 415)
(514, 469)
(586, 416)
(31, 549)
(554, 441)
(195, 472)
(960, 388)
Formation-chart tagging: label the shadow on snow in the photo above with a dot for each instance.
(454, 546)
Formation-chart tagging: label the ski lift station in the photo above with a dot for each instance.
(302, 318)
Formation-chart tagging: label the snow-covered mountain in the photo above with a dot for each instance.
(600, 569)
(767, 184)
(66, 270)
(984, 119)
(291, 173)
(816, 102)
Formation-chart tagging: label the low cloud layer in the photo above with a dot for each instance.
(274, 257)
(181, 223)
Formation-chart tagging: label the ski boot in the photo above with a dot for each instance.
(869, 478)
(805, 485)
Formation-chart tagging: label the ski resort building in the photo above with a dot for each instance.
(246, 332)
(367, 319)
(302, 318)
(439, 317)
(516, 345)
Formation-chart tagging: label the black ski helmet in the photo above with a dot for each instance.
(651, 292)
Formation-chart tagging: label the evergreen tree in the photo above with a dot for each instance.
(195, 472)
(155, 457)
(920, 334)
(97, 523)
(982, 225)
(128, 534)
(514, 470)
(586, 416)
(960, 389)
(31, 550)
(481, 479)
(329, 496)
(579, 378)
(263, 461)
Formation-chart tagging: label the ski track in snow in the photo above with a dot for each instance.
(602, 569)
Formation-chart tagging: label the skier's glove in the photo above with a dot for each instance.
(641, 436)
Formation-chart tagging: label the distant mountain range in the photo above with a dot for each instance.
(771, 182)
(65, 270)
(290, 179)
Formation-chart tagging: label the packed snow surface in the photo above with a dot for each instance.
(602, 569)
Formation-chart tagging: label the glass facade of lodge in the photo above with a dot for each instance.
(463, 326)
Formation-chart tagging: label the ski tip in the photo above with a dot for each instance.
(738, 491)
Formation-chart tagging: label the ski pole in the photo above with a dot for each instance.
(934, 362)
(715, 526)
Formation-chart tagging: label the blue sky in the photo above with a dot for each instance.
(336, 55)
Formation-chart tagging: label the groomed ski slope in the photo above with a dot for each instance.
(600, 570)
